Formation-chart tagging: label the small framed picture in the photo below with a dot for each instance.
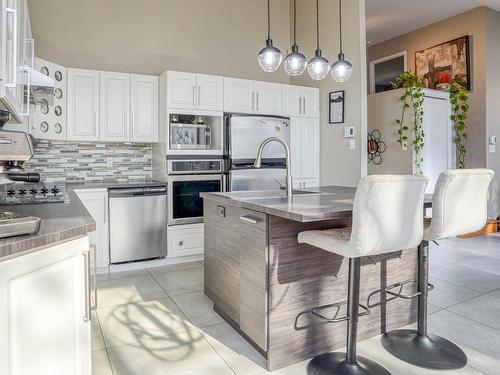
(336, 107)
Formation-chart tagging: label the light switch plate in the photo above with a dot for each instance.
(349, 132)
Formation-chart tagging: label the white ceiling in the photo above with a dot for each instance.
(386, 19)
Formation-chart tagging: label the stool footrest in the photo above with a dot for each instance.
(316, 312)
(397, 294)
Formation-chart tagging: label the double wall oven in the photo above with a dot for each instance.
(187, 178)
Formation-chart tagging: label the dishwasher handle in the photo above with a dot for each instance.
(140, 191)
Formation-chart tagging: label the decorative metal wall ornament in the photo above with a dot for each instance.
(375, 147)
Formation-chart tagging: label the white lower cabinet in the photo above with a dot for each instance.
(184, 240)
(45, 311)
(96, 203)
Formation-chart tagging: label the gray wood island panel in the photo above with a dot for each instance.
(264, 283)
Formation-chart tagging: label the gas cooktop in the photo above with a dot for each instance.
(27, 193)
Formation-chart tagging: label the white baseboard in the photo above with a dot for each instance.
(148, 264)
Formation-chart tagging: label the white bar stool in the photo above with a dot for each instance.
(386, 217)
(459, 206)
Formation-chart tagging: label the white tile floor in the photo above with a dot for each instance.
(158, 321)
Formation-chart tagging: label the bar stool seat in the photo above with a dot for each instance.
(459, 206)
(387, 217)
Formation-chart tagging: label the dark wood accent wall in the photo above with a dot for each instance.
(265, 282)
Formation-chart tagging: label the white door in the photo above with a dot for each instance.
(144, 108)
(96, 203)
(181, 90)
(437, 153)
(267, 98)
(296, 146)
(290, 103)
(310, 148)
(83, 105)
(310, 102)
(114, 106)
(239, 95)
(209, 92)
(44, 306)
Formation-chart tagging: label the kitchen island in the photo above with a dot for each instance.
(264, 283)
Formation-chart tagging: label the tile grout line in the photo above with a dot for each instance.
(198, 329)
(472, 320)
(104, 342)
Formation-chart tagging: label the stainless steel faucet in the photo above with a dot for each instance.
(258, 161)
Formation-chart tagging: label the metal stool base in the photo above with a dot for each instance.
(335, 364)
(430, 351)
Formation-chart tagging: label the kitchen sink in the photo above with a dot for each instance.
(265, 194)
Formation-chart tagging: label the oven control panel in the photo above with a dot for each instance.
(194, 166)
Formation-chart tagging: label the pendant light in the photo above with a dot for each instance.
(269, 57)
(295, 62)
(342, 69)
(318, 67)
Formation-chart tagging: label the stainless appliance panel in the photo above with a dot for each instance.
(138, 225)
(184, 203)
(257, 179)
(190, 136)
(246, 133)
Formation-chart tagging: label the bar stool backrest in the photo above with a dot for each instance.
(387, 214)
(459, 203)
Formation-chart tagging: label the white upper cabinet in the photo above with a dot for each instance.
(194, 91)
(144, 108)
(267, 98)
(83, 105)
(209, 94)
(245, 96)
(310, 102)
(291, 100)
(114, 106)
(239, 95)
(181, 90)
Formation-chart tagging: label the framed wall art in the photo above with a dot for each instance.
(336, 107)
(438, 65)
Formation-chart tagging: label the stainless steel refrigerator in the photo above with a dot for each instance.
(244, 134)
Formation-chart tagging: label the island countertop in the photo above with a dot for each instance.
(309, 205)
(313, 204)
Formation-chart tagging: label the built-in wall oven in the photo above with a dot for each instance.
(187, 178)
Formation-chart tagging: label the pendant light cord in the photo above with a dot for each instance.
(294, 22)
(268, 20)
(317, 24)
(340, 18)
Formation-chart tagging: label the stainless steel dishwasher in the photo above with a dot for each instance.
(137, 223)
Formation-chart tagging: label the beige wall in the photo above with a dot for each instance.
(339, 164)
(468, 23)
(215, 37)
(493, 102)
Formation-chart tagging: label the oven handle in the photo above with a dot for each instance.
(195, 177)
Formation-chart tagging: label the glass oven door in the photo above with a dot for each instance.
(184, 203)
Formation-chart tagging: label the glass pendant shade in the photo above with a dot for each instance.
(269, 57)
(318, 67)
(342, 69)
(295, 63)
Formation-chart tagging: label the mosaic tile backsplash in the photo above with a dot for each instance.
(78, 162)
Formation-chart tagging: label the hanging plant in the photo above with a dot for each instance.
(413, 97)
(460, 109)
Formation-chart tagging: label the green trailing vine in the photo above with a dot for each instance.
(413, 97)
(460, 109)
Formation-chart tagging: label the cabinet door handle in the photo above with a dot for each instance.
(304, 106)
(106, 209)
(253, 97)
(194, 95)
(199, 94)
(93, 248)
(257, 102)
(250, 219)
(300, 105)
(86, 272)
